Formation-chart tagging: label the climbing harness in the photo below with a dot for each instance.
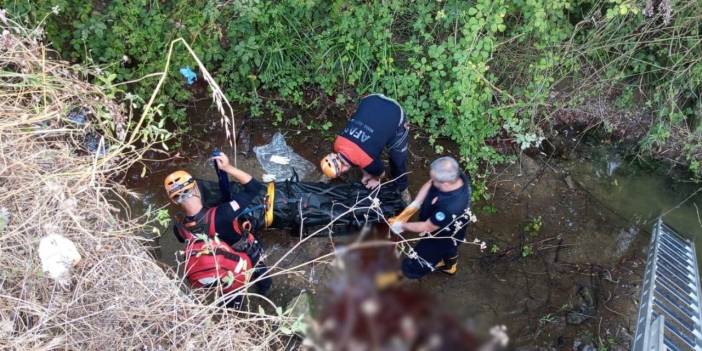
(210, 261)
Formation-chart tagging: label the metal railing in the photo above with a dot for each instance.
(669, 312)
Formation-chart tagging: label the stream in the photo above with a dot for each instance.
(574, 280)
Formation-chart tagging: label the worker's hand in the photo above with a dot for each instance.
(397, 227)
(366, 177)
(372, 183)
(222, 160)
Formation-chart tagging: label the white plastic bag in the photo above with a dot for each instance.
(58, 255)
(279, 159)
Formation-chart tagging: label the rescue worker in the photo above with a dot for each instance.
(443, 203)
(183, 190)
(379, 123)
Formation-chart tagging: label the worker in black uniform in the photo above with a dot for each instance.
(378, 124)
(444, 213)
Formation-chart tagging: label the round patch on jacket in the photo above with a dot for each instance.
(440, 216)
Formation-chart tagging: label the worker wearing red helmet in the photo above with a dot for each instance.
(379, 123)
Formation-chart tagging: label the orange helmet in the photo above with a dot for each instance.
(178, 182)
(331, 165)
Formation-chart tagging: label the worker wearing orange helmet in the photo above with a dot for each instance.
(224, 219)
(379, 123)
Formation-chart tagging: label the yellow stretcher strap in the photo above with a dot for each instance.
(270, 200)
(405, 215)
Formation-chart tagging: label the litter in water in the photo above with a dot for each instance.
(279, 159)
(58, 255)
(189, 75)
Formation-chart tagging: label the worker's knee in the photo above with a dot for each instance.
(414, 268)
(263, 282)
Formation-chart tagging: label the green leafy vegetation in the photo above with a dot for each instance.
(533, 227)
(469, 71)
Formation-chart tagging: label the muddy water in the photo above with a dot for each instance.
(637, 195)
(577, 282)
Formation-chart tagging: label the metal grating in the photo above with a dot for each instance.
(669, 314)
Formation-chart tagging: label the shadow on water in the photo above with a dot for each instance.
(590, 236)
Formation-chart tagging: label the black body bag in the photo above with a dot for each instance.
(312, 205)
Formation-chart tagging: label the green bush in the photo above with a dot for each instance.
(465, 70)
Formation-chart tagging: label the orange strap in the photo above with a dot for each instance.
(270, 200)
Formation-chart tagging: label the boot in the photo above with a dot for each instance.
(406, 197)
(448, 266)
(386, 279)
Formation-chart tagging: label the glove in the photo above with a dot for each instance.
(396, 227)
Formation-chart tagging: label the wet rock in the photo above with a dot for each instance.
(587, 294)
(528, 165)
(575, 318)
(245, 138)
(91, 142)
(585, 308)
(569, 182)
(78, 116)
(582, 345)
(245, 145)
(625, 335)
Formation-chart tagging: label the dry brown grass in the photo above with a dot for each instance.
(119, 297)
